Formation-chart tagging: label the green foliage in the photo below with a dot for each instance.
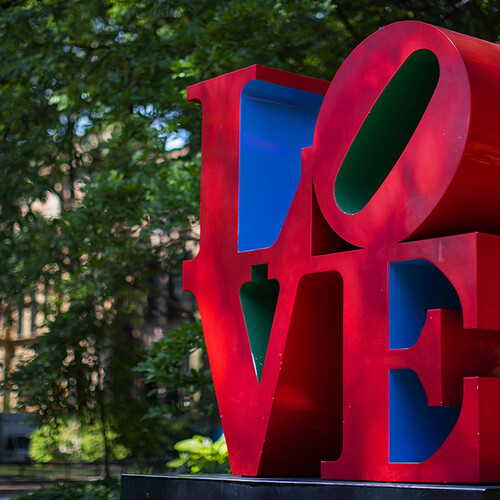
(73, 441)
(162, 367)
(201, 455)
(98, 490)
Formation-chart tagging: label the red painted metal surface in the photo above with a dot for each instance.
(445, 182)
(324, 392)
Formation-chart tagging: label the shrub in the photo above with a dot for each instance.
(201, 455)
(72, 441)
(107, 489)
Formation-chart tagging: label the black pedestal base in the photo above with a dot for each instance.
(221, 487)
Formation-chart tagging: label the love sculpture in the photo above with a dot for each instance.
(348, 277)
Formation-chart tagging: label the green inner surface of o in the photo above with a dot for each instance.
(386, 131)
(258, 301)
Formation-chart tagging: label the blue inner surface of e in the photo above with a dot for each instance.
(276, 122)
(414, 287)
(416, 430)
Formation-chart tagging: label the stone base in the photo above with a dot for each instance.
(227, 487)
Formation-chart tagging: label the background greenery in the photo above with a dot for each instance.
(93, 116)
(99, 490)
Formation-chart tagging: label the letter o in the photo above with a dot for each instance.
(407, 142)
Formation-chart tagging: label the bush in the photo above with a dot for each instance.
(72, 441)
(201, 455)
(107, 489)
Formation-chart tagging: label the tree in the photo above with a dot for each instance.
(94, 123)
(79, 128)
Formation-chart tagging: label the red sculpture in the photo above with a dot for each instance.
(350, 297)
